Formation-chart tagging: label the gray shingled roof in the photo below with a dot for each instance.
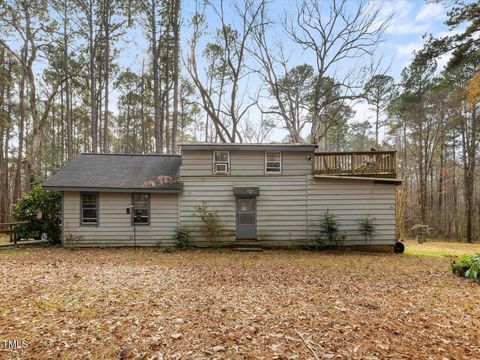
(115, 172)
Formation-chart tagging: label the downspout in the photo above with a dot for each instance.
(62, 230)
(308, 210)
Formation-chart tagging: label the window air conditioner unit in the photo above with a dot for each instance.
(221, 168)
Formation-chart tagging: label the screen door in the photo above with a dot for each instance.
(246, 218)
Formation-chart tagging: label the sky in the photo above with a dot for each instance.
(411, 19)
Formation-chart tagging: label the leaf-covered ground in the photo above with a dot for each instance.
(126, 303)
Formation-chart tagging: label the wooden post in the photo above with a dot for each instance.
(352, 160)
(394, 163)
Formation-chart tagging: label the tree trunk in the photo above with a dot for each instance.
(17, 189)
(166, 106)
(4, 135)
(176, 40)
(155, 45)
(377, 122)
(66, 69)
(106, 25)
(142, 111)
(455, 194)
(92, 81)
(469, 177)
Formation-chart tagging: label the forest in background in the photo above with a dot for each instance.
(63, 91)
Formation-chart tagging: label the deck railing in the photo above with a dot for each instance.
(358, 163)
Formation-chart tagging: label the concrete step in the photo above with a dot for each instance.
(254, 249)
(247, 243)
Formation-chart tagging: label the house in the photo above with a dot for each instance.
(266, 194)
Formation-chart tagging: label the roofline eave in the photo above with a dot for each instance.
(249, 147)
(176, 190)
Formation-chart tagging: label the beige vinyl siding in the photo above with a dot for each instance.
(115, 228)
(285, 215)
(281, 206)
(249, 163)
(289, 207)
(351, 201)
(296, 163)
(244, 163)
(196, 163)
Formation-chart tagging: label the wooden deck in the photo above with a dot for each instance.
(382, 164)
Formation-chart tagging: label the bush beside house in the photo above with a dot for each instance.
(41, 211)
(211, 227)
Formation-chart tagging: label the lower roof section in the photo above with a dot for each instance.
(119, 173)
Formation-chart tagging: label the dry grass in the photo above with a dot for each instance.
(433, 248)
(125, 303)
(4, 239)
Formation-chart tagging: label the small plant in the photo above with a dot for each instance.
(368, 229)
(329, 234)
(211, 227)
(41, 211)
(182, 236)
(467, 266)
(69, 239)
(168, 250)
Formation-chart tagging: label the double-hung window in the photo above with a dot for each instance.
(141, 209)
(221, 162)
(89, 208)
(273, 162)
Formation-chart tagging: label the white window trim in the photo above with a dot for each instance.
(265, 163)
(149, 197)
(221, 162)
(97, 209)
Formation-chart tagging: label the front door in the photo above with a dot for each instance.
(247, 218)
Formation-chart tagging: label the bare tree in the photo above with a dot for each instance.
(336, 32)
(288, 87)
(257, 133)
(29, 21)
(229, 107)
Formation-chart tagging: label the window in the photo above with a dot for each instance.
(221, 162)
(273, 162)
(89, 208)
(141, 208)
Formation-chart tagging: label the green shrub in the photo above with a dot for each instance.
(329, 234)
(467, 266)
(211, 227)
(367, 228)
(48, 203)
(182, 236)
